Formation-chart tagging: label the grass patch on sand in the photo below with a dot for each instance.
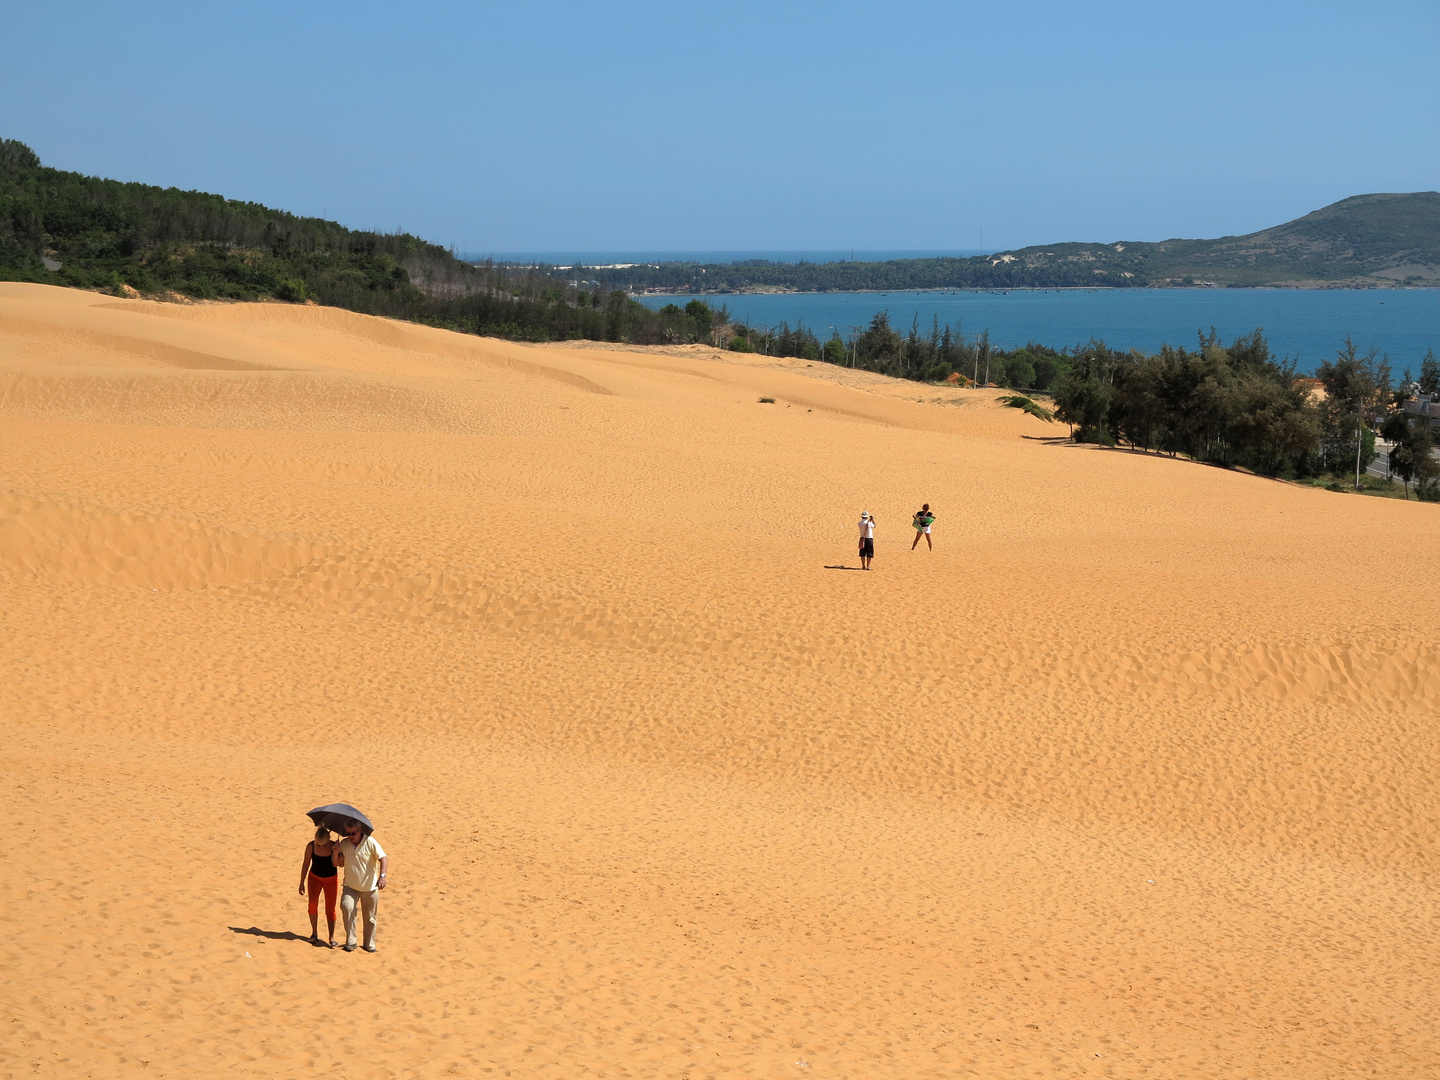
(1381, 486)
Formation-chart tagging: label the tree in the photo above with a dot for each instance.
(1084, 404)
(1019, 371)
(1430, 375)
(1398, 432)
(1047, 370)
(1273, 422)
(1144, 417)
(880, 345)
(702, 314)
(834, 351)
(1354, 388)
(1427, 468)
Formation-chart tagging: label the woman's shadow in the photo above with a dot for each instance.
(273, 935)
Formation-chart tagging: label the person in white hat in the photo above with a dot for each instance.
(867, 539)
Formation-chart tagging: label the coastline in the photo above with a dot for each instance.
(777, 290)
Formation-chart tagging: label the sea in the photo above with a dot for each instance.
(624, 258)
(1307, 325)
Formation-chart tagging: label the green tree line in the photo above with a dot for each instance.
(932, 355)
(1239, 406)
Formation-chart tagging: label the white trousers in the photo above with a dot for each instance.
(367, 902)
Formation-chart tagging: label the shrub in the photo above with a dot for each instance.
(1023, 403)
(291, 289)
(739, 344)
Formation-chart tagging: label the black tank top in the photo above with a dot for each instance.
(322, 865)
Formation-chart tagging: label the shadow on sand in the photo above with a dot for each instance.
(844, 568)
(274, 935)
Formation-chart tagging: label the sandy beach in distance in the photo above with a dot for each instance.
(1132, 776)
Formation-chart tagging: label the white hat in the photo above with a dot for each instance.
(864, 513)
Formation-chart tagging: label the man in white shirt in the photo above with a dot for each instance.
(867, 539)
(364, 861)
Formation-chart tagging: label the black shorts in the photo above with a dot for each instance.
(867, 547)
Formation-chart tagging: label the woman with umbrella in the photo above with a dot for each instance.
(317, 871)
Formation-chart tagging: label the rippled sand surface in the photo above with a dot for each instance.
(1132, 776)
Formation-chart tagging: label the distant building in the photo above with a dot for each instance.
(1424, 405)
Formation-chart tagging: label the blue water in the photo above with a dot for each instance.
(1308, 324)
(610, 258)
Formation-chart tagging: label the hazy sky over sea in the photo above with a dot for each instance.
(550, 126)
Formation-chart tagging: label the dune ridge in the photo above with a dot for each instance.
(1132, 776)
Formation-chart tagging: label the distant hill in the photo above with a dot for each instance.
(1364, 241)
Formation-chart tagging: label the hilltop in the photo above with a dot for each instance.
(1366, 240)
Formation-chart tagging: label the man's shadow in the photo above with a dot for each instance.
(273, 935)
(844, 568)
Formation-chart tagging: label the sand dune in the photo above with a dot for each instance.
(1132, 776)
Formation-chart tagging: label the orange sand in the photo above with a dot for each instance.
(1133, 776)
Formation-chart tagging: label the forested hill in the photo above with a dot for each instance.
(63, 228)
(1385, 238)
(1364, 241)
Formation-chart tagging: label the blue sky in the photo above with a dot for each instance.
(549, 126)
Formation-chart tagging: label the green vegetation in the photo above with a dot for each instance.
(1355, 388)
(1412, 434)
(62, 228)
(1025, 404)
(1239, 407)
(924, 357)
(1233, 406)
(1380, 486)
(1366, 240)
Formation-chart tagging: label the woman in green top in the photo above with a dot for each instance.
(923, 519)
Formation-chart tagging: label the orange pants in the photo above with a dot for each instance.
(330, 886)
